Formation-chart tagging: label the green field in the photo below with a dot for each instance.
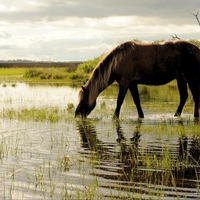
(38, 75)
(12, 71)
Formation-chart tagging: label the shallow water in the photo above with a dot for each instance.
(97, 158)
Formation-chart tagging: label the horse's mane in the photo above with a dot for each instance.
(99, 79)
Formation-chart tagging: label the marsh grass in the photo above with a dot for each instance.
(159, 167)
(165, 160)
(36, 114)
(37, 75)
(46, 73)
(66, 163)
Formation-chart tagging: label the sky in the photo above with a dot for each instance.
(78, 30)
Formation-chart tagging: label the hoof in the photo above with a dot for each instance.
(115, 117)
(177, 114)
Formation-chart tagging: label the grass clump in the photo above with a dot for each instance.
(46, 74)
(50, 115)
(84, 70)
(32, 73)
(39, 114)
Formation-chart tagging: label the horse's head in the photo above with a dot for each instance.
(84, 108)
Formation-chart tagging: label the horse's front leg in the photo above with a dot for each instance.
(199, 100)
(135, 94)
(123, 87)
(182, 87)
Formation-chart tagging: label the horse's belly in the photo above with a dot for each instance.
(158, 80)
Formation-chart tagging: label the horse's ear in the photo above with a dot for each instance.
(83, 88)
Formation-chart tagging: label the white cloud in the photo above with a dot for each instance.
(83, 29)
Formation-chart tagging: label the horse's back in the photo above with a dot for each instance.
(150, 63)
(158, 63)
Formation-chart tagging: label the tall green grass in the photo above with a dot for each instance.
(46, 73)
(39, 114)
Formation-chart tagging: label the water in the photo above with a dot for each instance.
(97, 158)
(23, 95)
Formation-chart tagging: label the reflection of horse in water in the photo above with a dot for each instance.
(105, 153)
(133, 63)
(127, 157)
(130, 152)
(189, 156)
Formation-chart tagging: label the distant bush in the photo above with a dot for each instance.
(195, 42)
(75, 76)
(45, 76)
(51, 73)
(32, 73)
(84, 69)
(59, 76)
(88, 66)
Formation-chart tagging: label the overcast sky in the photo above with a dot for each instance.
(71, 30)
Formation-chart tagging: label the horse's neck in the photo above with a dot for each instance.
(99, 80)
(95, 87)
(93, 91)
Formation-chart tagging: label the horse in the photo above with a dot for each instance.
(131, 63)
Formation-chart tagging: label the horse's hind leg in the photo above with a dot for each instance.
(134, 91)
(182, 87)
(122, 92)
(195, 93)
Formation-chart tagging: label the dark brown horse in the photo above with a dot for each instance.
(133, 63)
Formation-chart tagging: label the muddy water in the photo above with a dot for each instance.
(97, 158)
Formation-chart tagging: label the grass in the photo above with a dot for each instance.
(46, 73)
(34, 114)
(69, 75)
(37, 75)
(12, 71)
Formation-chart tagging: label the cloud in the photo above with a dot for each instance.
(83, 29)
(50, 10)
(81, 38)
